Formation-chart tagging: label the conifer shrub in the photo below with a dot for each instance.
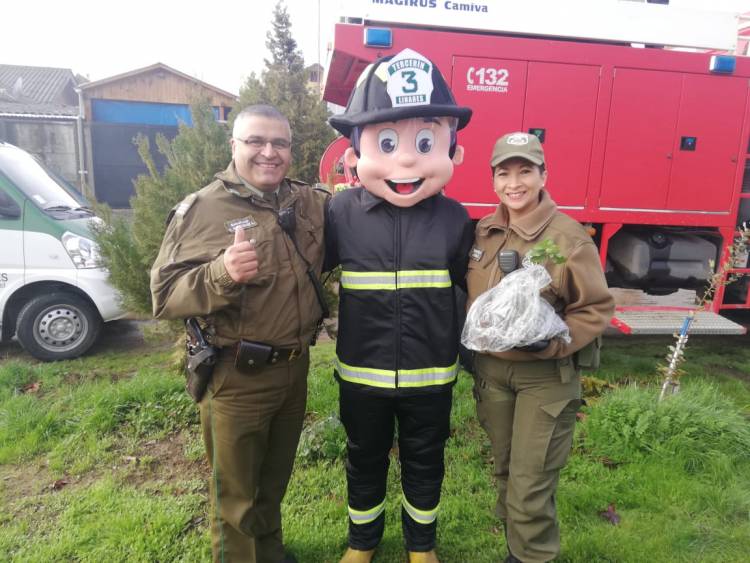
(283, 83)
(129, 247)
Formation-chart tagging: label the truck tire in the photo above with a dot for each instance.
(57, 326)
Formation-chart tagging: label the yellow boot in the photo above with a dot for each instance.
(423, 557)
(356, 556)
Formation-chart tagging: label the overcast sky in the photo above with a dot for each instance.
(218, 41)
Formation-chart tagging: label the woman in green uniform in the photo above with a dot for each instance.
(527, 398)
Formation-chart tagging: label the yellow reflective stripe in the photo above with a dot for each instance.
(420, 516)
(366, 516)
(423, 278)
(383, 286)
(368, 280)
(427, 376)
(386, 379)
(367, 376)
(389, 281)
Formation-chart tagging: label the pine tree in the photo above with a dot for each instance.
(129, 249)
(281, 44)
(283, 84)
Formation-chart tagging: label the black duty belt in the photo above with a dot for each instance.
(249, 354)
(284, 355)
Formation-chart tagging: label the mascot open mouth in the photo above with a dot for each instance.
(405, 186)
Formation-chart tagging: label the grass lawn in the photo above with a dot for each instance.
(101, 460)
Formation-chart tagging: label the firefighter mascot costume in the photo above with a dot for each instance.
(402, 246)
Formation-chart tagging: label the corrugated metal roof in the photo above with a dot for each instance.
(35, 84)
(51, 111)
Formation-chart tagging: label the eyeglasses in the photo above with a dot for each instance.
(259, 143)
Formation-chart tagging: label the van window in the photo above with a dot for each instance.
(35, 181)
(8, 207)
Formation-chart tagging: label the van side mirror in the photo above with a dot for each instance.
(9, 209)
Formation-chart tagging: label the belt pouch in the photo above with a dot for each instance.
(566, 368)
(252, 355)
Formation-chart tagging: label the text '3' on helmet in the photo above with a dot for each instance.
(398, 87)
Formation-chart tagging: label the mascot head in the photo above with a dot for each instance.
(401, 121)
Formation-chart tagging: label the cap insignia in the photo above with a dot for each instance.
(518, 139)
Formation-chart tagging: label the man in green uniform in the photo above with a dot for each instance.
(226, 259)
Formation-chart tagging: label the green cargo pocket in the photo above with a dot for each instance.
(567, 370)
(561, 436)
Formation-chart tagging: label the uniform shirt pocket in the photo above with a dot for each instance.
(266, 263)
(478, 272)
(310, 239)
(268, 256)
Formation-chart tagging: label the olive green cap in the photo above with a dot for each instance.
(517, 145)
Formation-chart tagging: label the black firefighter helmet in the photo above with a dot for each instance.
(401, 86)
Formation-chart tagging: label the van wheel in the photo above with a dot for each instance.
(57, 326)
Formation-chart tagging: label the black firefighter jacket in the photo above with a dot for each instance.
(398, 319)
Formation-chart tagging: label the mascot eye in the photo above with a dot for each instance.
(387, 140)
(425, 140)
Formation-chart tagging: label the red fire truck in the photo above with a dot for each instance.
(649, 147)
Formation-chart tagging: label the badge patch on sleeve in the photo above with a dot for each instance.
(242, 223)
(476, 254)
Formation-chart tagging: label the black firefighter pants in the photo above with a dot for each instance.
(423, 428)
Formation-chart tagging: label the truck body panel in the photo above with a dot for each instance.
(646, 145)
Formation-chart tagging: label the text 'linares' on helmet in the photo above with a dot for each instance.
(398, 87)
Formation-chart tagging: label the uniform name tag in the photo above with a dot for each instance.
(242, 223)
(476, 254)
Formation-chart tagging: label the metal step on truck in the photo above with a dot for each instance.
(648, 144)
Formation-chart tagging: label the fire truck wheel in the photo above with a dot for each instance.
(57, 326)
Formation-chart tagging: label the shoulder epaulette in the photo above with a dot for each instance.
(295, 181)
(181, 208)
(322, 188)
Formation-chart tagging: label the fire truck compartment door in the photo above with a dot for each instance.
(561, 99)
(640, 139)
(711, 111)
(509, 95)
(494, 89)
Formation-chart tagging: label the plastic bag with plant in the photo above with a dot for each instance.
(513, 313)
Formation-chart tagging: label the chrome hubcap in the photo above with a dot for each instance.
(60, 328)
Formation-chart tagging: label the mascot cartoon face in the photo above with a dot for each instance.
(401, 121)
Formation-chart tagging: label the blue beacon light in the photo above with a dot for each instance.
(722, 64)
(379, 37)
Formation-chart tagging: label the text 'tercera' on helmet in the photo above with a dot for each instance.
(402, 86)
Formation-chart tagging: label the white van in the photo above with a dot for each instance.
(53, 294)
